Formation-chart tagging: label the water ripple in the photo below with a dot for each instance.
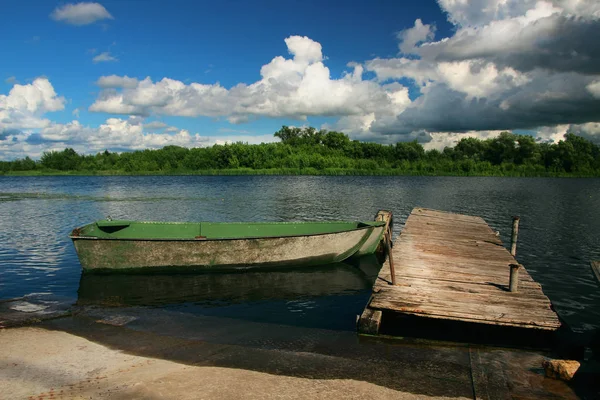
(559, 233)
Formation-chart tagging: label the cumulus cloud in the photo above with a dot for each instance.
(155, 125)
(104, 57)
(114, 81)
(545, 38)
(590, 131)
(420, 33)
(544, 100)
(115, 134)
(296, 87)
(25, 105)
(509, 65)
(25, 130)
(80, 13)
(441, 140)
(482, 12)
(594, 88)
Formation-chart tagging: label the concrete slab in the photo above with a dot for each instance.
(158, 354)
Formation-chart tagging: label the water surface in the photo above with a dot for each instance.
(559, 235)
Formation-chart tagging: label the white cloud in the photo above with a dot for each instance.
(25, 105)
(115, 134)
(296, 87)
(590, 131)
(11, 80)
(80, 13)
(114, 81)
(551, 134)
(476, 78)
(409, 38)
(509, 65)
(544, 36)
(155, 125)
(440, 140)
(104, 57)
(25, 131)
(479, 79)
(481, 12)
(594, 88)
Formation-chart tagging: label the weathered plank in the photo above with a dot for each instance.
(436, 285)
(434, 265)
(490, 314)
(369, 321)
(418, 211)
(453, 266)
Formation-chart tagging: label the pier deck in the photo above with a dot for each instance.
(454, 267)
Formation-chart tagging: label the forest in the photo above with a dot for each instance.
(309, 151)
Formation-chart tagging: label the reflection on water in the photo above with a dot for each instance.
(222, 288)
(559, 232)
(328, 296)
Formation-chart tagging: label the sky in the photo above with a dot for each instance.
(128, 75)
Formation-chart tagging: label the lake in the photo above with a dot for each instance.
(559, 235)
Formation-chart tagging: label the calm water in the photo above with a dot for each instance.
(559, 235)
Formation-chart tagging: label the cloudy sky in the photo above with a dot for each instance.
(124, 75)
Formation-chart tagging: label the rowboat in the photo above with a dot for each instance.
(110, 245)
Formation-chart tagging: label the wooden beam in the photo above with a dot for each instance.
(369, 321)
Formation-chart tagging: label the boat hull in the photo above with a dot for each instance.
(97, 254)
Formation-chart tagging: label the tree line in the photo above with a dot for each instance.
(311, 151)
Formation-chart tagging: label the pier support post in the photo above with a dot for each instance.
(388, 249)
(513, 283)
(369, 321)
(513, 237)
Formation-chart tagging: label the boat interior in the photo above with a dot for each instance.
(122, 229)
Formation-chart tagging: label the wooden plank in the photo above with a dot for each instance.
(418, 219)
(418, 211)
(596, 269)
(450, 247)
(463, 259)
(465, 237)
(449, 296)
(369, 321)
(434, 268)
(490, 314)
(449, 229)
(460, 280)
(452, 266)
(467, 287)
(446, 271)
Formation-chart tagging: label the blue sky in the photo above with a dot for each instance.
(130, 74)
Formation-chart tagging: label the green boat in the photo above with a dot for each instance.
(109, 245)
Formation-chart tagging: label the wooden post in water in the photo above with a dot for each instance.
(513, 283)
(388, 249)
(513, 237)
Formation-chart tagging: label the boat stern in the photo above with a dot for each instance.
(377, 233)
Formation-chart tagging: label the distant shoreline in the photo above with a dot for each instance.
(302, 172)
(306, 151)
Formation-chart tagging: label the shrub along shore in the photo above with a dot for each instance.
(307, 151)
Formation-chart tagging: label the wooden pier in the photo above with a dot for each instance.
(454, 267)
